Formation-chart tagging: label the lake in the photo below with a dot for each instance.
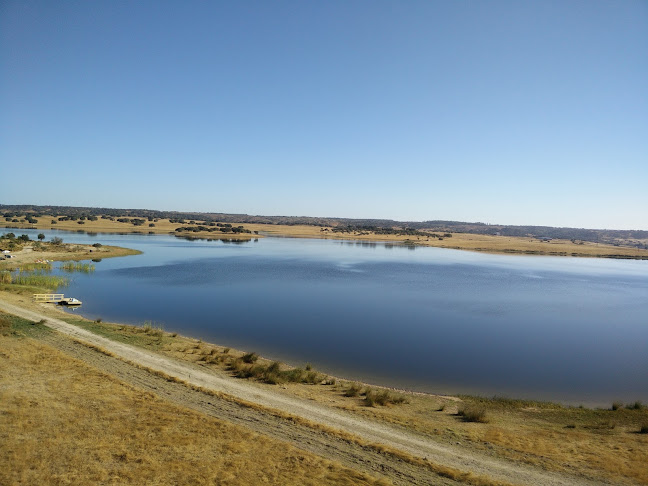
(566, 329)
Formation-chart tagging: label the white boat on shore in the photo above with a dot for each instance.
(70, 301)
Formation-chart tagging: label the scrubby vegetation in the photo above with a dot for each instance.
(373, 397)
(382, 397)
(361, 230)
(272, 373)
(473, 414)
(221, 227)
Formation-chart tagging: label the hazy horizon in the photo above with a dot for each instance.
(499, 112)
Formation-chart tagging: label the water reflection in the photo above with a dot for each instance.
(433, 320)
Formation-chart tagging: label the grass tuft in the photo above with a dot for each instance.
(473, 414)
(382, 398)
(352, 391)
(152, 330)
(250, 358)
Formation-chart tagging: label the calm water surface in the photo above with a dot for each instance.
(435, 320)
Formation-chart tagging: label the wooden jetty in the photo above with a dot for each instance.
(49, 298)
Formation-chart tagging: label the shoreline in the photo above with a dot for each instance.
(457, 241)
(487, 437)
(109, 326)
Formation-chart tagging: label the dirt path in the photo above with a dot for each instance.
(326, 445)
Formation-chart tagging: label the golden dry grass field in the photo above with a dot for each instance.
(458, 241)
(593, 443)
(64, 422)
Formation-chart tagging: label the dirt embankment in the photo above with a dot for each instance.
(314, 427)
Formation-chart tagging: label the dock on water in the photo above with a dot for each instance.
(49, 298)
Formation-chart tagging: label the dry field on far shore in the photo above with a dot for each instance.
(458, 241)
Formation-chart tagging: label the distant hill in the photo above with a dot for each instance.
(634, 238)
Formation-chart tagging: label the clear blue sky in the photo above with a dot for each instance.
(512, 112)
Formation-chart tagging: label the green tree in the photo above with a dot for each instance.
(41, 236)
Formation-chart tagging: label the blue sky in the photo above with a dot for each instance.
(510, 112)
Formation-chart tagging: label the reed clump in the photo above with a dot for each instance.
(5, 277)
(80, 267)
(39, 268)
(43, 281)
(152, 330)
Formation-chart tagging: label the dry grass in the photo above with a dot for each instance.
(464, 241)
(596, 443)
(63, 422)
(443, 471)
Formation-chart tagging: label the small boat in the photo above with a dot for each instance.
(70, 301)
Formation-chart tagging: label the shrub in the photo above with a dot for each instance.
(635, 406)
(644, 429)
(473, 414)
(383, 398)
(250, 357)
(616, 405)
(370, 398)
(352, 391)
